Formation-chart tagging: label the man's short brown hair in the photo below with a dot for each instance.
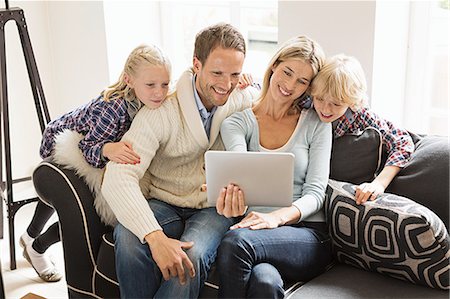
(220, 35)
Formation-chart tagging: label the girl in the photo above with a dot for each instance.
(291, 243)
(339, 97)
(102, 122)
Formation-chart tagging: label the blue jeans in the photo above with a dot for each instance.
(137, 272)
(254, 263)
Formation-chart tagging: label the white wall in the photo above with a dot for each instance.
(338, 26)
(69, 44)
(390, 59)
(24, 126)
(122, 36)
(78, 52)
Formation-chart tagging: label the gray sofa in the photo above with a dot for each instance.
(89, 250)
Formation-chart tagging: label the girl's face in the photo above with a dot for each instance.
(150, 84)
(290, 79)
(329, 109)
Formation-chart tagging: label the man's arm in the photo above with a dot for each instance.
(121, 181)
(122, 192)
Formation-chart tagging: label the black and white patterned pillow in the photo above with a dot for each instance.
(392, 235)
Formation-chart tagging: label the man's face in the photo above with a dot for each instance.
(218, 76)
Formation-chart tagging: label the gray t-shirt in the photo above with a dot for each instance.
(310, 143)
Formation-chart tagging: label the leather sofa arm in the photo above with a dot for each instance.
(81, 228)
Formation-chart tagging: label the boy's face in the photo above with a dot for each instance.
(329, 109)
(218, 76)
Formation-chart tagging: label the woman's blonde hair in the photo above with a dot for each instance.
(343, 79)
(300, 48)
(141, 56)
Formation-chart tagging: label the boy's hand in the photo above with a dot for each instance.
(367, 191)
(121, 152)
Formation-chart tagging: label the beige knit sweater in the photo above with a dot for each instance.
(171, 142)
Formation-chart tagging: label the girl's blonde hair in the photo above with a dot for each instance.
(343, 79)
(300, 48)
(141, 56)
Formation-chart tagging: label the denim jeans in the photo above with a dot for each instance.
(254, 263)
(137, 272)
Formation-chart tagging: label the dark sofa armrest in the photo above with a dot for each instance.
(81, 228)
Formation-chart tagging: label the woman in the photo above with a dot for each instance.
(290, 243)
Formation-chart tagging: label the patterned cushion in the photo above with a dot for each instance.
(392, 235)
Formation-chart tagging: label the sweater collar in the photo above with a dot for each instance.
(189, 109)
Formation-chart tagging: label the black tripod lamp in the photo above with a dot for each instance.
(17, 15)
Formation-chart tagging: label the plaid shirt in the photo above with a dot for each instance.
(398, 142)
(100, 122)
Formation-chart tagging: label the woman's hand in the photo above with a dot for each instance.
(256, 220)
(245, 80)
(121, 152)
(367, 191)
(231, 202)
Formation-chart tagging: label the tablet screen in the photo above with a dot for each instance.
(266, 178)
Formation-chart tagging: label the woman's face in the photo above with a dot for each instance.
(290, 79)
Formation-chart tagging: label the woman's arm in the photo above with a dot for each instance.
(317, 172)
(234, 131)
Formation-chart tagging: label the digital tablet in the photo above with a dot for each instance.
(266, 178)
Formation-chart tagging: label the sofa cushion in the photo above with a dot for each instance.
(356, 158)
(392, 235)
(425, 179)
(346, 282)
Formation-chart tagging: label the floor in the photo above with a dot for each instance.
(24, 279)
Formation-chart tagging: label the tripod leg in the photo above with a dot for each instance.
(3, 96)
(6, 140)
(33, 74)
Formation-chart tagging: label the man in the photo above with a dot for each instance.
(165, 245)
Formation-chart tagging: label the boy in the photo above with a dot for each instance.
(339, 97)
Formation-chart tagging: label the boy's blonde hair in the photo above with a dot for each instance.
(300, 48)
(142, 55)
(343, 79)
